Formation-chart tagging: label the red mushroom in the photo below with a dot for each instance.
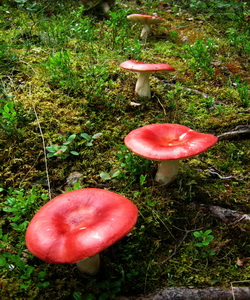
(76, 226)
(142, 87)
(147, 21)
(168, 143)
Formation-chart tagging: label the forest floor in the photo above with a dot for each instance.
(62, 88)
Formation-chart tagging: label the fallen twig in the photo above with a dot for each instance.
(214, 171)
(241, 131)
(228, 216)
(182, 293)
(177, 247)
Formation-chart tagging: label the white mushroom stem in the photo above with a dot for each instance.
(105, 7)
(145, 32)
(167, 170)
(89, 265)
(142, 87)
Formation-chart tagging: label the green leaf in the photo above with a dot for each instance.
(63, 148)
(207, 232)
(71, 138)
(142, 179)
(77, 296)
(97, 135)
(105, 176)
(74, 152)
(3, 262)
(51, 149)
(151, 203)
(103, 296)
(115, 173)
(198, 234)
(208, 239)
(86, 136)
(50, 154)
(199, 245)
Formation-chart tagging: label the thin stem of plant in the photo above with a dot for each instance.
(177, 247)
(44, 152)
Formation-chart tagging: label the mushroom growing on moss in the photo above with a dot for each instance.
(76, 226)
(142, 87)
(168, 143)
(146, 21)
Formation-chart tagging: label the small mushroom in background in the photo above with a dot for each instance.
(104, 5)
(76, 226)
(168, 143)
(142, 87)
(146, 21)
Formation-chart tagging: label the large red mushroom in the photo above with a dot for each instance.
(76, 226)
(142, 87)
(168, 143)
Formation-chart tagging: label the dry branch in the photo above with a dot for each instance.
(240, 132)
(238, 293)
(228, 216)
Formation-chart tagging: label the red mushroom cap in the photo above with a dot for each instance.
(138, 66)
(79, 224)
(168, 141)
(145, 19)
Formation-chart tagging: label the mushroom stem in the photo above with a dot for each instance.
(167, 170)
(89, 265)
(105, 7)
(142, 87)
(145, 32)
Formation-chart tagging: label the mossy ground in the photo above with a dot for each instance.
(62, 64)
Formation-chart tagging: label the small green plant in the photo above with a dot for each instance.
(95, 79)
(62, 151)
(205, 238)
(8, 58)
(18, 207)
(173, 36)
(9, 117)
(224, 10)
(200, 55)
(174, 95)
(119, 29)
(108, 290)
(243, 88)
(239, 40)
(76, 186)
(111, 175)
(12, 114)
(80, 27)
(27, 5)
(62, 74)
(90, 138)
(133, 166)
(133, 49)
(208, 101)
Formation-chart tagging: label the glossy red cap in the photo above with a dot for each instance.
(168, 141)
(138, 66)
(145, 19)
(79, 224)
